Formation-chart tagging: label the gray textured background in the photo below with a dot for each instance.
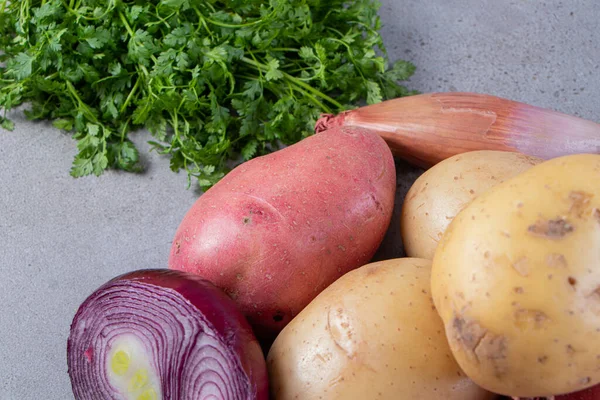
(60, 238)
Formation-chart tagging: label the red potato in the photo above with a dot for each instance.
(280, 228)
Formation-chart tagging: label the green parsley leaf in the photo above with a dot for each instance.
(141, 47)
(7, 124)
(373, 93)
(21, 66)
(64, 124)
(249, 149)
(273, 72)
(401, 71)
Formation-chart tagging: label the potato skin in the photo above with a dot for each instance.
(372, 334)
(445, 189)
(280, 228)
(516, 280)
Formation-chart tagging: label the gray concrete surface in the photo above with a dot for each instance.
(60, 238)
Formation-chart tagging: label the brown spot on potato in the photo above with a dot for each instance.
(338, 326)
(480, 343)
(530, 318)
(531, 160)
(580, 202)
(177, 247)
(553, 229)
(572, 281)
(371, 270)
(521, 266)
(596, 214)
(542, 359)
(570, 350)
(518, 290)
(555, 260)
(586, 380)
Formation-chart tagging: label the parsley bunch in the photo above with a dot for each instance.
(210, 79)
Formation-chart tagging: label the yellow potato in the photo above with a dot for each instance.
(445, 189)
(516, 280)
(372, 334)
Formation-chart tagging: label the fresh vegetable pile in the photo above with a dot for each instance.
(212, 80)
(270, 291)
(499, 294)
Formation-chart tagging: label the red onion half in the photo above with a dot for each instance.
(161, 334)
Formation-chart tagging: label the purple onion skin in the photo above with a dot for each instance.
(223, 320)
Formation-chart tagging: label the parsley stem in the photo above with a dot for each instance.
(350, 55)
(226, 25)
(297, 82)
(274, 49)
(323, 107)
(84, 107)
(125, 129)
(203, 22)
(368, 28)
(130, 96)
(306, 86)
(126, 23)
(160, 19)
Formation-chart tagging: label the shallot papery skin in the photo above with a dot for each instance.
(162, 334)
